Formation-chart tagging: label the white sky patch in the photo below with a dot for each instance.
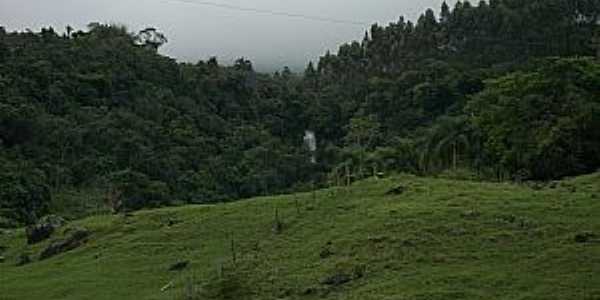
(198, 32)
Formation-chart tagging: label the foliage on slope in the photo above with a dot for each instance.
(101, 110)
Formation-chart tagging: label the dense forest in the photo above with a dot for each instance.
(504, 90)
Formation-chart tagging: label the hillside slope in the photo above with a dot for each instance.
(433, 239)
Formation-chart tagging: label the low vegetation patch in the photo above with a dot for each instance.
(445, 239)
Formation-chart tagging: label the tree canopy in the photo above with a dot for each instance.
(505, 87)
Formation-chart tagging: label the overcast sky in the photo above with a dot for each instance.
(199, 31)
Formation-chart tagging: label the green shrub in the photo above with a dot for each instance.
(132, 190)
(459, 174)
(24, 194)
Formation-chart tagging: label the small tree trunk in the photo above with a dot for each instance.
(233, 254)
(375, 171)
(347, 176)
(347, 179)
(454, 156)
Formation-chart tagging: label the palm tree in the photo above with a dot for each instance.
(69, 30)
(447, 141)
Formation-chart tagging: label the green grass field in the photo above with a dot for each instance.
(439, 239)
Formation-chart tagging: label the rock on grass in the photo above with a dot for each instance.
(43, 229)
(337, 279)
(76, 239)
(584, 237)
(178, 266)
(399, 190)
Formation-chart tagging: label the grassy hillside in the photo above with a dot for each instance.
(438, 239)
